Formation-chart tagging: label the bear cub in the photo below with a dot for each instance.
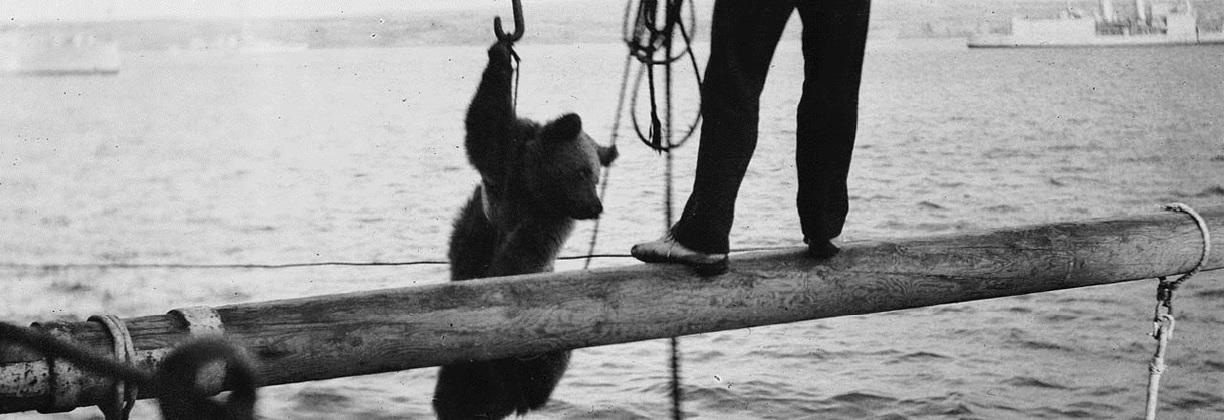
(535, 181)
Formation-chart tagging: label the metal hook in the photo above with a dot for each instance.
(518, 24)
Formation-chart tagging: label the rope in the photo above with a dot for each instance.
(517, 69)
(58, 351)
(1164, 291)
(174, 382)
(645, 39)
(47, 344)
(668, 189)
(119, 408)
(607, 171)
(509, 40)
(144, 266)
(1163, 332)
(1163, 320)
(138, 266)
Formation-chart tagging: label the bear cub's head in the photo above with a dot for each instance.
(562, 168)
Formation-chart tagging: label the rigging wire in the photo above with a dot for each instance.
(69, 266)
(607, 171)
(645, 37)
(298, 265)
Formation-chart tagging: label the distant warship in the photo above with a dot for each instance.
(29, 53)
(1152, 24)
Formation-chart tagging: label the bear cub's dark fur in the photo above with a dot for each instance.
(535, 181)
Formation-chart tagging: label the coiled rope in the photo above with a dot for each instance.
(1163, 320)
(651, 43)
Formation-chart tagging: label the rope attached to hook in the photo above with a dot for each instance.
(1164, 291)
(509, 40)
(1163, 320)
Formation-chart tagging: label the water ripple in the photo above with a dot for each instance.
(1031, 382)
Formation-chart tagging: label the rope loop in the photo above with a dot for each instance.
(120, 407)
(1166, 287)
(1163, 321)
(650, 37)
(1206, 234)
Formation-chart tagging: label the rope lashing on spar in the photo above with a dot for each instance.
(120, 407)
(175, 383)
(1163, 320)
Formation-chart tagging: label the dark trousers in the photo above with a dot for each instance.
(744, 36)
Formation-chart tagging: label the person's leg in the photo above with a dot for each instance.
(744, 35)
(834, 37)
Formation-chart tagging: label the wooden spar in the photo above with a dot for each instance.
(360, 333)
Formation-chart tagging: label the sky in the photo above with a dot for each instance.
(24, 11)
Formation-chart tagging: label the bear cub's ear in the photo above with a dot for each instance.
(567, 127)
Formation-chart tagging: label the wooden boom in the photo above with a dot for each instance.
(360, 333)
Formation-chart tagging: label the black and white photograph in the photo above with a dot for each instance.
(611, 209)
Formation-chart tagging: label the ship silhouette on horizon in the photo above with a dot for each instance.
(1152, 23)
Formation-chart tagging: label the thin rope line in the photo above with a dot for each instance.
(211, 266)
(677, 393)
(1156, 368)
(607, 175)
(138, 266)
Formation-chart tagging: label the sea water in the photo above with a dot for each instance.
(356, 155)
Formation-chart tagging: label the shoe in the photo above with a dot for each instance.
(822, 250)
(668, 250)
